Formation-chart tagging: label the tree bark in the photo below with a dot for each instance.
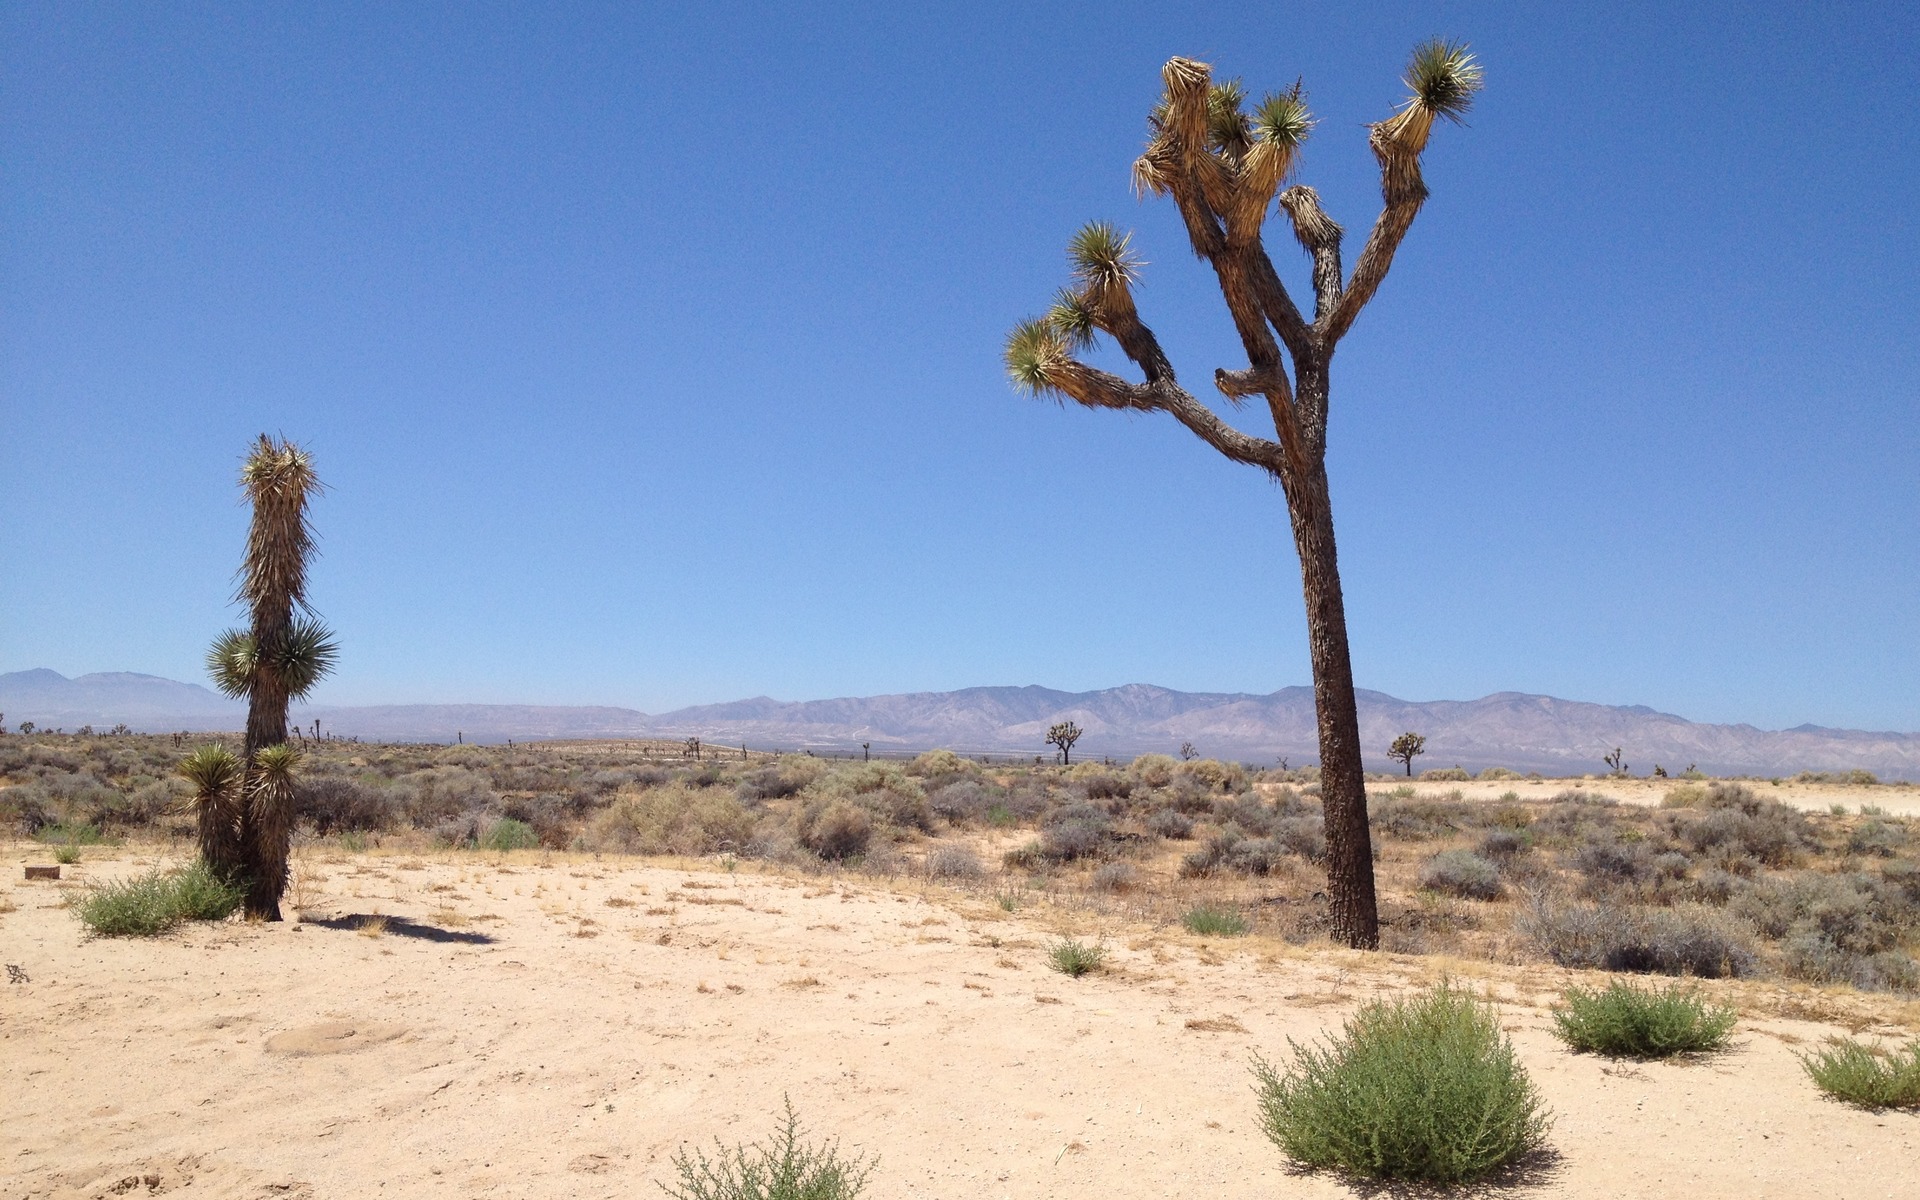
(1343, 784)
(263, 827)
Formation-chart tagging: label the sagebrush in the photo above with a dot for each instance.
(786, 1167)
(1628, 1021)
(1424, 1088)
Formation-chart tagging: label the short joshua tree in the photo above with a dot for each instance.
(1064, 735)
(1406, 748)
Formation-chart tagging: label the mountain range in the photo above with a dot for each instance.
(1513, 729)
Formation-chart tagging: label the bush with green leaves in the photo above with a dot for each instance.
(1461, 873)
(509, 834)
(1070, 956)
(1625, 1021)
(82, 834)
(786, 1167)
(1423, 1088)
(1871, 1078)
(1210, 921)
(1878, 837)
(154, 903)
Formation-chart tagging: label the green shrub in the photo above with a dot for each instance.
(1425, 1088)
(156, 902)
(1631, 1022)
(85, 834)
(1858, 1074)
(1075, 958)
(785, 1168)
(1461, 873)
(1208, 921)
(1878, 837)
(200, 895)
(509, 834)
(66, 855)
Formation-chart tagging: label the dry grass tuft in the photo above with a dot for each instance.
(1216, 1025)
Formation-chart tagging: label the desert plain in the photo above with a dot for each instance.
(541, 1024)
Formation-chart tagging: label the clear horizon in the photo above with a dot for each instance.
(652, 359)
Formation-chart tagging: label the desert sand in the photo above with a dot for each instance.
(1899, 799)
(545, 1026)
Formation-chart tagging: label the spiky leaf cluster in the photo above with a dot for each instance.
(1251, 153)
(1442, 79)
(1035, 351)
(213, 771)
(300, 658)
(279, 479)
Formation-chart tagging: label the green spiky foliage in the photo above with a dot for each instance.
(1224, 160)
(277, 659)
(1035, 352)
(1442, 79)
(216, 775)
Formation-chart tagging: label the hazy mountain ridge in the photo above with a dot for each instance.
(1527, 732)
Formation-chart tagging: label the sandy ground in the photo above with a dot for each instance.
(1900, 800)
(555, 1028)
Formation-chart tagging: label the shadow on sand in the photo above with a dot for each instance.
(1537, 1170)
(397, 927)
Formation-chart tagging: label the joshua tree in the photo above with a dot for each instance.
(1064, 735)
(1406, 748)
(274, 661)
(1223, 166)
(1616, 763)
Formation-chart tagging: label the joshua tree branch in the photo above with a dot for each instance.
(1095, 388)
(1404, 191)
(1320, 236)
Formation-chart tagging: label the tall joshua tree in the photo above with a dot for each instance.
(276, 660)
(1224, 166)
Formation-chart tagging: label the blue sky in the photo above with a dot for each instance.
(652, 353)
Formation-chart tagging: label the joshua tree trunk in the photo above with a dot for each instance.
(1224, 167)
(1343, 783)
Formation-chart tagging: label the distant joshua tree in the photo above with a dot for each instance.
(1616, 762)
(1224, 167)
(1187, 752)
(1064, 735)
(1406, 748)
(276, 660)
(26, 727)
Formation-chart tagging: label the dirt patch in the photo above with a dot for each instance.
(331, 1037)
